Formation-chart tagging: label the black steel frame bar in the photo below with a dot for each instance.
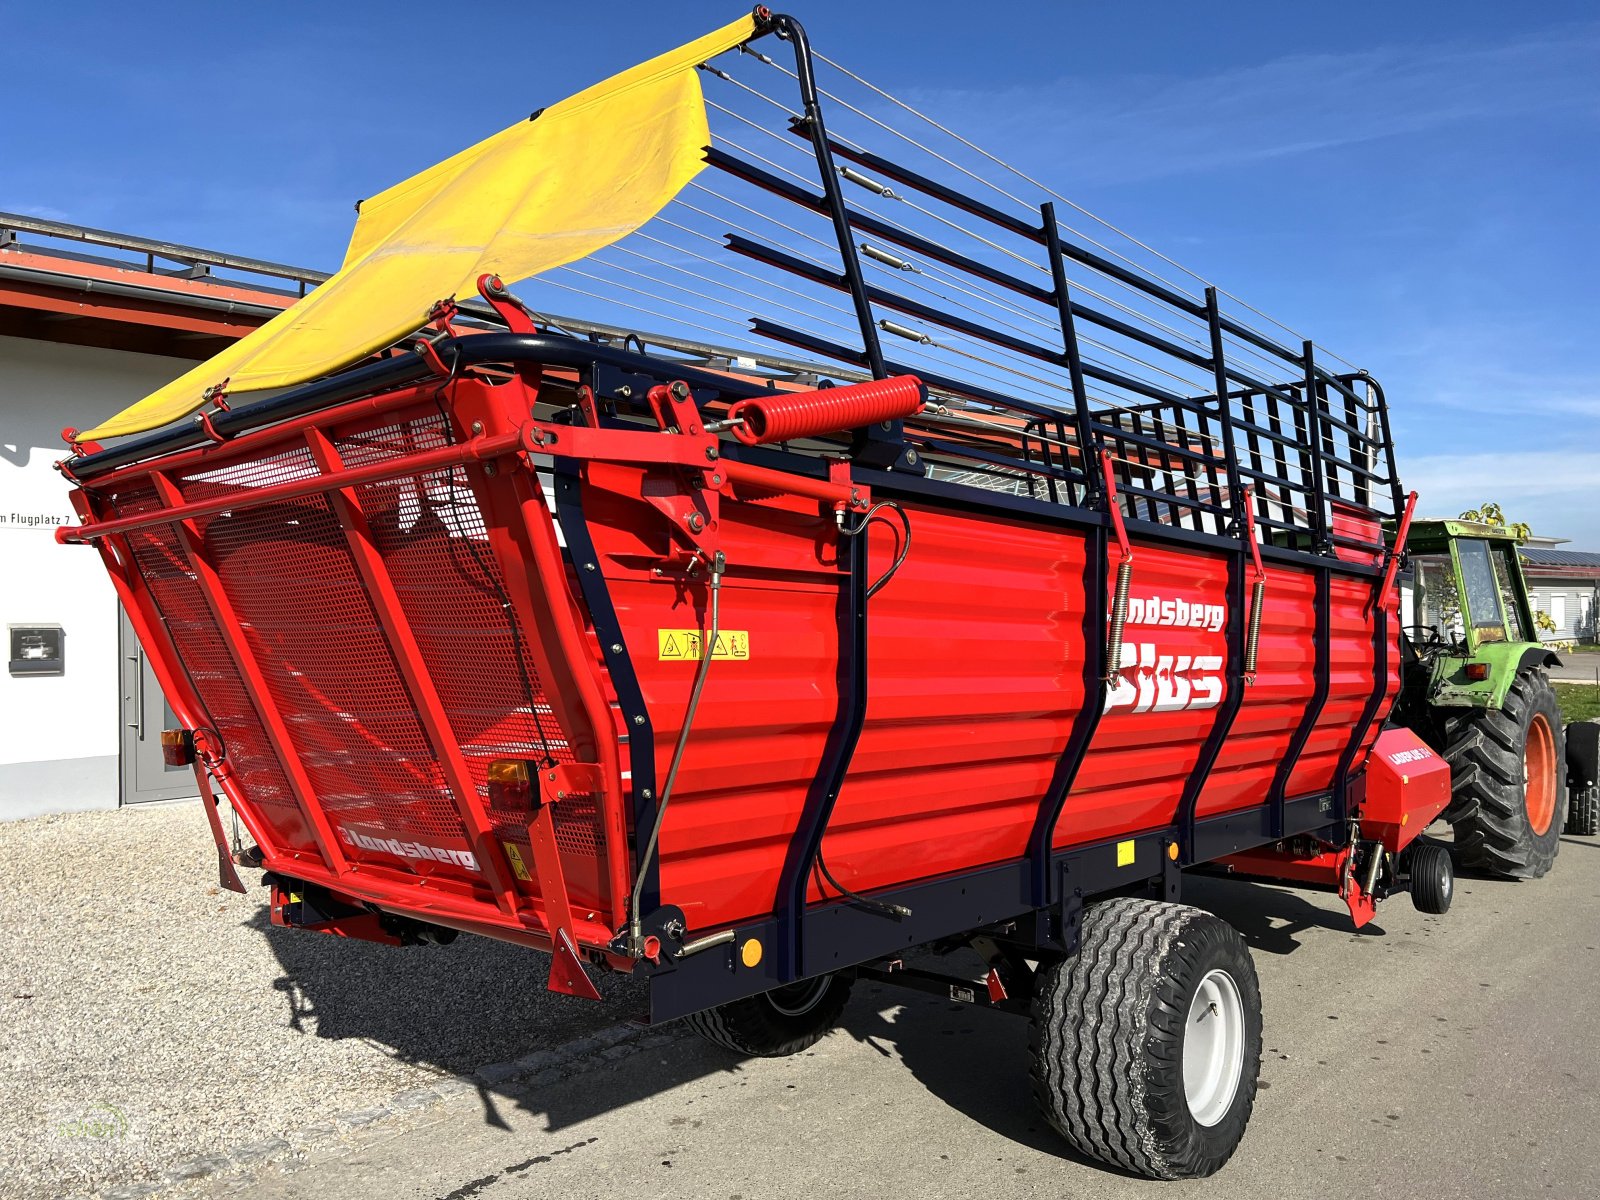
(1319, 490)
(1397, 498)
(866, 223)
(847, 934)
(401, 370)
(1069, 345)
(1233, 698)
(979, 454)
(787, 28)
(630, 697)
(1319, 697)
(838, 750)
(939, 383)
(978, 208)
(1096, 592)
(1324, 463)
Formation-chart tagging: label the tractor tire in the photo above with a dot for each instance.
(778, 1023)
(1508, 780)
(1147, 1042)
(1433, 878)
(1583, 812)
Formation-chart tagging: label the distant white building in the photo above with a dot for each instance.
(90, 322)
(1565, 584)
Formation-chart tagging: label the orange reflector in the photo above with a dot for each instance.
(510, 783)
(750, 953)
(1477, 672)
(1172, 851)
(177, 747)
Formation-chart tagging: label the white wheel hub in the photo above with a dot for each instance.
(1213, 1047)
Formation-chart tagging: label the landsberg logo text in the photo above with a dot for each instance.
(1177, 611)
(399, 849)
(1154, 679)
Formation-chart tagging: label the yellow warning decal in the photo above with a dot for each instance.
(517, 865)
(1125, 854)
(689, 644)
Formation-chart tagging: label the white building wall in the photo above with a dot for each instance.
(59, 735)
(1571, 604)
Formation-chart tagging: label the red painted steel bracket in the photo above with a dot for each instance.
(695, 511)
(1258, 591)
(512, 311)
(227, 876)
(1113, 507)
(692, 505)
(436, 364)
(1396, 552)
(555, 784)
(1119, 605)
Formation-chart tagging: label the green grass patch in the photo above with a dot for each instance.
(1579, 701)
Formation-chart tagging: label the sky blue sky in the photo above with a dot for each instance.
(1415, 185)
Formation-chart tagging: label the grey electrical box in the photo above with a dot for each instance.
(38, 650)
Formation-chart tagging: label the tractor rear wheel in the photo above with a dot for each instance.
(774, 1024)
(1508, 778)
(1147, 1042)
(1583, 811)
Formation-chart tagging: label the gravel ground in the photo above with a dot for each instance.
(147, 1017)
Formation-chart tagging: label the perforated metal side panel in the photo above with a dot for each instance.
(205, 658)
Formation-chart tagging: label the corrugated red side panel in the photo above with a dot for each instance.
(975, 653)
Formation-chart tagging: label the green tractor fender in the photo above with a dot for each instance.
(1452, 687)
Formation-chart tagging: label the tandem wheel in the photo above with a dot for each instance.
(1433, 878)
(784, 1021)
(1147, 1042)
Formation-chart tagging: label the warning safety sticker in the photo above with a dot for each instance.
(689, 644)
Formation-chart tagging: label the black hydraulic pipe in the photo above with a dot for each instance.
(468, 350)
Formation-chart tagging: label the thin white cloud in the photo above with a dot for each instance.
(1138, 128)
(1557, 491)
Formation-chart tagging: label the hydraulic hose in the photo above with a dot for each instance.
(707, 651)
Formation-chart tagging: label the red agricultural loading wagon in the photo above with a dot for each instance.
(752, 674)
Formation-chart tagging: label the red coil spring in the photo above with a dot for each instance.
(807, 414)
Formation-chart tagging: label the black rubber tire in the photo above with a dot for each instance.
(1488, 808)
(1433, 878)
(759, 1026)
(1583, 812)
(1108, 1033)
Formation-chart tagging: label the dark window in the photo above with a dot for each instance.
(1438, 607)
(1505, 573)
(1482, 592)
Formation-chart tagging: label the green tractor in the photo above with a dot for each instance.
(1475, 687)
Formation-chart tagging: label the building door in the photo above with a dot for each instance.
(145, 714)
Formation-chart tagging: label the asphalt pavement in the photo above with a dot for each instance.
(1577, 668)
(1445, 1057)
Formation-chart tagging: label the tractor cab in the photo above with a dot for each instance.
(1468, 626)
(1474, 687)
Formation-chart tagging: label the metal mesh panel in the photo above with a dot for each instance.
(431, 534)
(204, 655)
(301, 603)
(284, 466)
(288, 572)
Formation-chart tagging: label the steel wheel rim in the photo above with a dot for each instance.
(797, 999)
(1213, 1048)
(1539, 774)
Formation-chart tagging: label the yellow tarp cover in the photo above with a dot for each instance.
(546, 192)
